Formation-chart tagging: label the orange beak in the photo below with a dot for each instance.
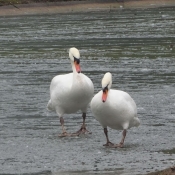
(104, 96)
(77, 67)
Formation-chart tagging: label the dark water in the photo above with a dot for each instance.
(137, 46)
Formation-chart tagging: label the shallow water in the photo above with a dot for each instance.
(137, 46)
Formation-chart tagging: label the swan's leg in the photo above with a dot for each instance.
(64, 133)
(83, 129)
(62, 125)
(123, 139)
(108, 143)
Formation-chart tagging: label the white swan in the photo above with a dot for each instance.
(71, 92)
(115, 109)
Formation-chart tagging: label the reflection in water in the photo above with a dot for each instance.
(137, 46)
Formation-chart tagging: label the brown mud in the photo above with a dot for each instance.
(79, 6)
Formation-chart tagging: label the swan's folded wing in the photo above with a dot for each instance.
(61, 82)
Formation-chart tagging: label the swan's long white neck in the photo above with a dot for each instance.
(77, 85)
(76, 76)
(74, 56)
(74, 69)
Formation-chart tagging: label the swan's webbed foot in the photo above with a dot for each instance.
(110, 145)
(120, 145)
(64, 133)
(83, 130)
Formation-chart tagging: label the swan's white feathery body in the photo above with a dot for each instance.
(118, 112)
(71, 92)
(114, 108)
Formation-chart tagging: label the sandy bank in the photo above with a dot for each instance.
(79, 6)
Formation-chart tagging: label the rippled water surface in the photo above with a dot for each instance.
(137, 46)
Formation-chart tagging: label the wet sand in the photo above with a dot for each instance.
(79, 6)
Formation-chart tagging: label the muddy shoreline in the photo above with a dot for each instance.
(79, 6)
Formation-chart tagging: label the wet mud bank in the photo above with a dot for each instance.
(79, 6)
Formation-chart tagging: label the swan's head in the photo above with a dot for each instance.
(106, 85)
(74, 56)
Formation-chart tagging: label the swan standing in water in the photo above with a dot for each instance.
(115, 109)
(71, 92)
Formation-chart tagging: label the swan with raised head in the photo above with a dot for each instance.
(71, 92)
(115, 109)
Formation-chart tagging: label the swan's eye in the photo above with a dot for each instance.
(76, 60)
(105, 89)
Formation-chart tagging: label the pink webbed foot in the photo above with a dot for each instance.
(83, 130)
(120, 145)
(109, 144)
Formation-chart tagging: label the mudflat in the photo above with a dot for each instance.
(79, 6)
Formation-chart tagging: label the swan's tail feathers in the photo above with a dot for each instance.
(49, 106)
(136, 122)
